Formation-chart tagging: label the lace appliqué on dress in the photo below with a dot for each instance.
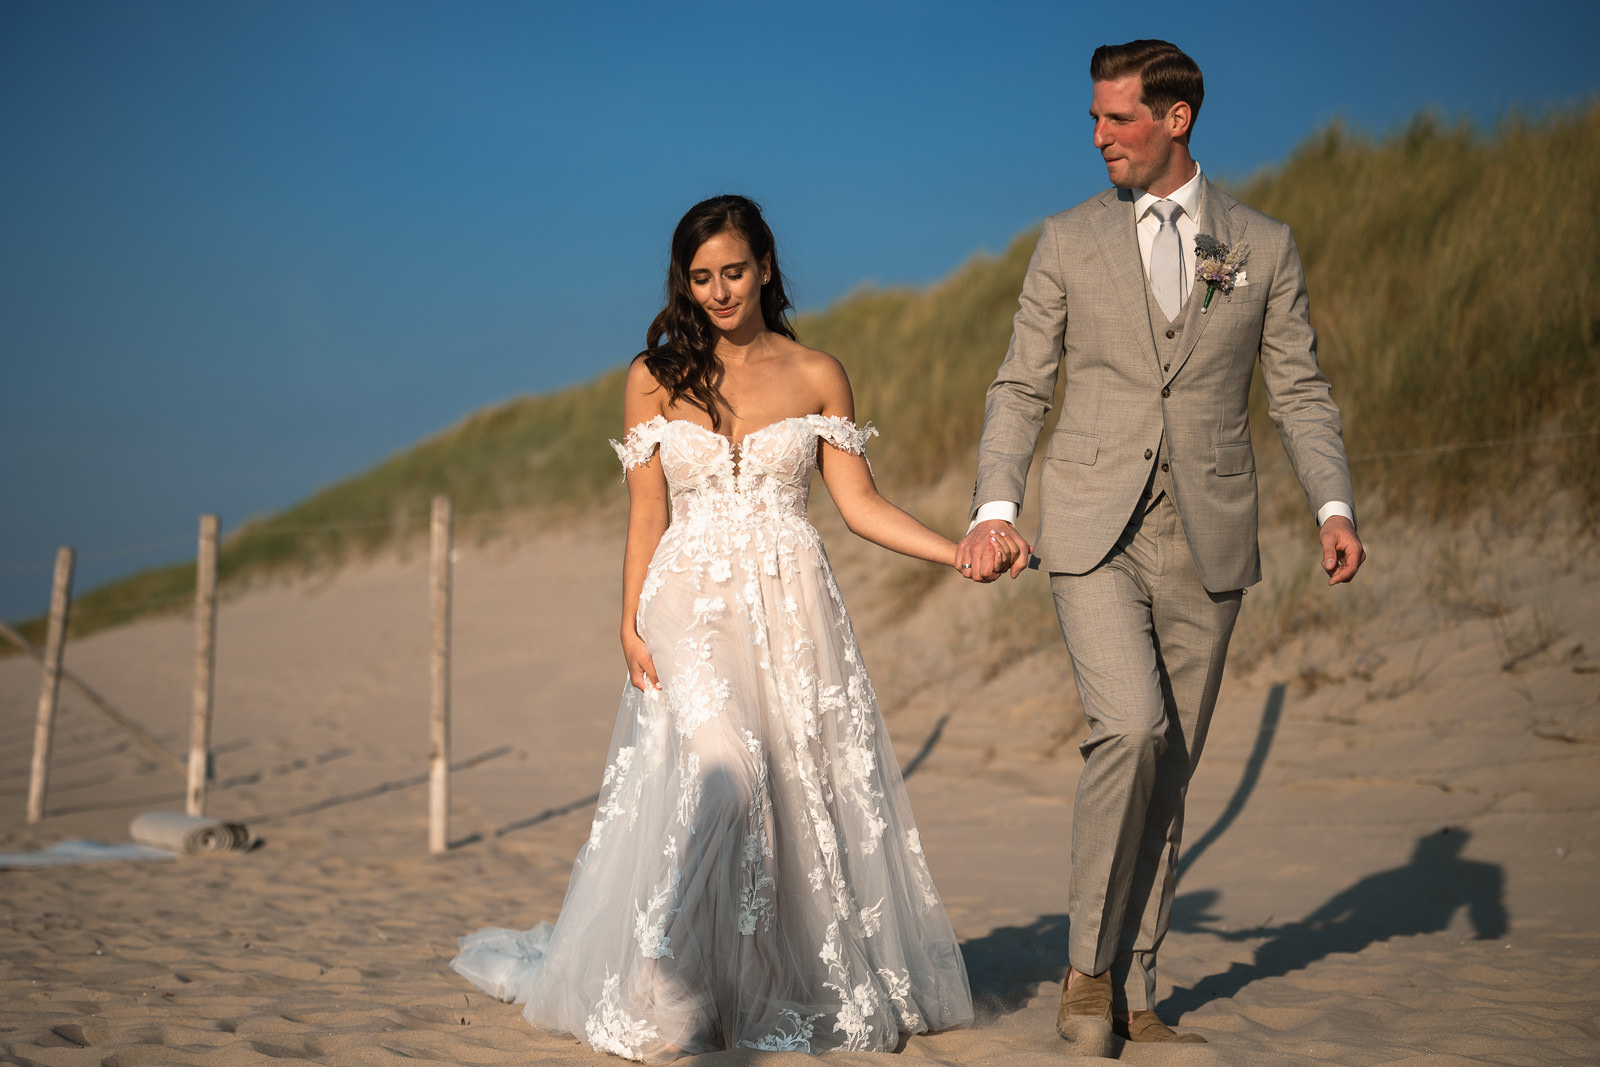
(651, 919)
(610, 1028)
(792, 1035)
(841, 433)
(639, 443)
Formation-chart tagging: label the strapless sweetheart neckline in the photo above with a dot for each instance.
(713, 433)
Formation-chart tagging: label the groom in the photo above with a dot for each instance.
(1148, 493)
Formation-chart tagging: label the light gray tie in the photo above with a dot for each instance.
(1166, 260)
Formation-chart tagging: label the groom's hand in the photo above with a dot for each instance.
(990, 548)
(1342, 553)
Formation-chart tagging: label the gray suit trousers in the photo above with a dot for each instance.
(1148, 644)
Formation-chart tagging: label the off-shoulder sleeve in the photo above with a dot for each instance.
(841, 433)
(639, 443)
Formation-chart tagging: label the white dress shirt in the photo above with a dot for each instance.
(1187, 197)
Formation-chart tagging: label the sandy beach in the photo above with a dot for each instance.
(1393, 849)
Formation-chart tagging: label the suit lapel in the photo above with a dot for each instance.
(1119, 250)
(1215, 218)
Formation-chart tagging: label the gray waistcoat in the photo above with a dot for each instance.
(1167, 348)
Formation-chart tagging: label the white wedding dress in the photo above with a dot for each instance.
(753, 877)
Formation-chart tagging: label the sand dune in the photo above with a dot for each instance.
(1394, 840)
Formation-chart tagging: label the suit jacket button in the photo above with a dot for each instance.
(1171, 334)
(1164, 468)
(1166, 366)
(1165, 393)
(1148, 454)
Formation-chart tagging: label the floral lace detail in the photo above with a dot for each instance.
(898, 988)
(639, 443)
(611, 783)
(757, 900)
(699, 696)
(871, 918)
(841, 433)
(856, 1004)
(712, 479)
(919, 869)
(692, 789)
(650, 919)
(797, 1038)
(611, 1029)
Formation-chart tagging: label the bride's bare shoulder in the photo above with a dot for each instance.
(812, 363)
(639, 371)
(824, 378)
(643, 395)
(641, 379)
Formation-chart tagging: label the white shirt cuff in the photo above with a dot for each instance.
(1332, 508)
(1004, 510)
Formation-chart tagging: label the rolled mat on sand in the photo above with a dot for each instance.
(190, 834)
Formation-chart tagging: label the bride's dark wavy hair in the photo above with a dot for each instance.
(681, 344)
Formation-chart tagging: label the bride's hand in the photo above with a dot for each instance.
(990, 549)
(641, 668)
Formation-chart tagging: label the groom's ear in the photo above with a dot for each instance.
(1179, 121)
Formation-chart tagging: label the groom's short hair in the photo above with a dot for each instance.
(1166, 74)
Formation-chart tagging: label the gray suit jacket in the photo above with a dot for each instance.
(1083, 314)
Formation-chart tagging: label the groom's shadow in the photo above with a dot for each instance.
(1421, 897)
(1007, 965)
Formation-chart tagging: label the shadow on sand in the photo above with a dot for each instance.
(1421, 897)
(1007, 965)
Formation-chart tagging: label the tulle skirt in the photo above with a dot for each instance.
(753, 876)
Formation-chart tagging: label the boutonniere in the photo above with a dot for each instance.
(1219, 266)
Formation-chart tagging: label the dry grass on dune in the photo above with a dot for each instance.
(920, 361)
(1452, 277)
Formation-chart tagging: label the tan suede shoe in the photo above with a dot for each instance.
(1085, 1015)
(1145, 1026)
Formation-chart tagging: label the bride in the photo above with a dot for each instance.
(753, 877)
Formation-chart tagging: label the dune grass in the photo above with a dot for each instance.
(1454, 287)
(919, 362)
(1455, 284)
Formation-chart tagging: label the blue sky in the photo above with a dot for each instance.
(250, 248)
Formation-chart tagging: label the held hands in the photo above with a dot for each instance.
(641, 668)
(1342, 552)
(990, 549)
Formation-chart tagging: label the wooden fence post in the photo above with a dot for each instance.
(50, 687)
(205, 663)
(439, 717)
(98, 701)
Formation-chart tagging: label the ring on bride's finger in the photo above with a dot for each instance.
(966, 566)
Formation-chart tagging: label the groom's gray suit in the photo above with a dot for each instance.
(1148, 521)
